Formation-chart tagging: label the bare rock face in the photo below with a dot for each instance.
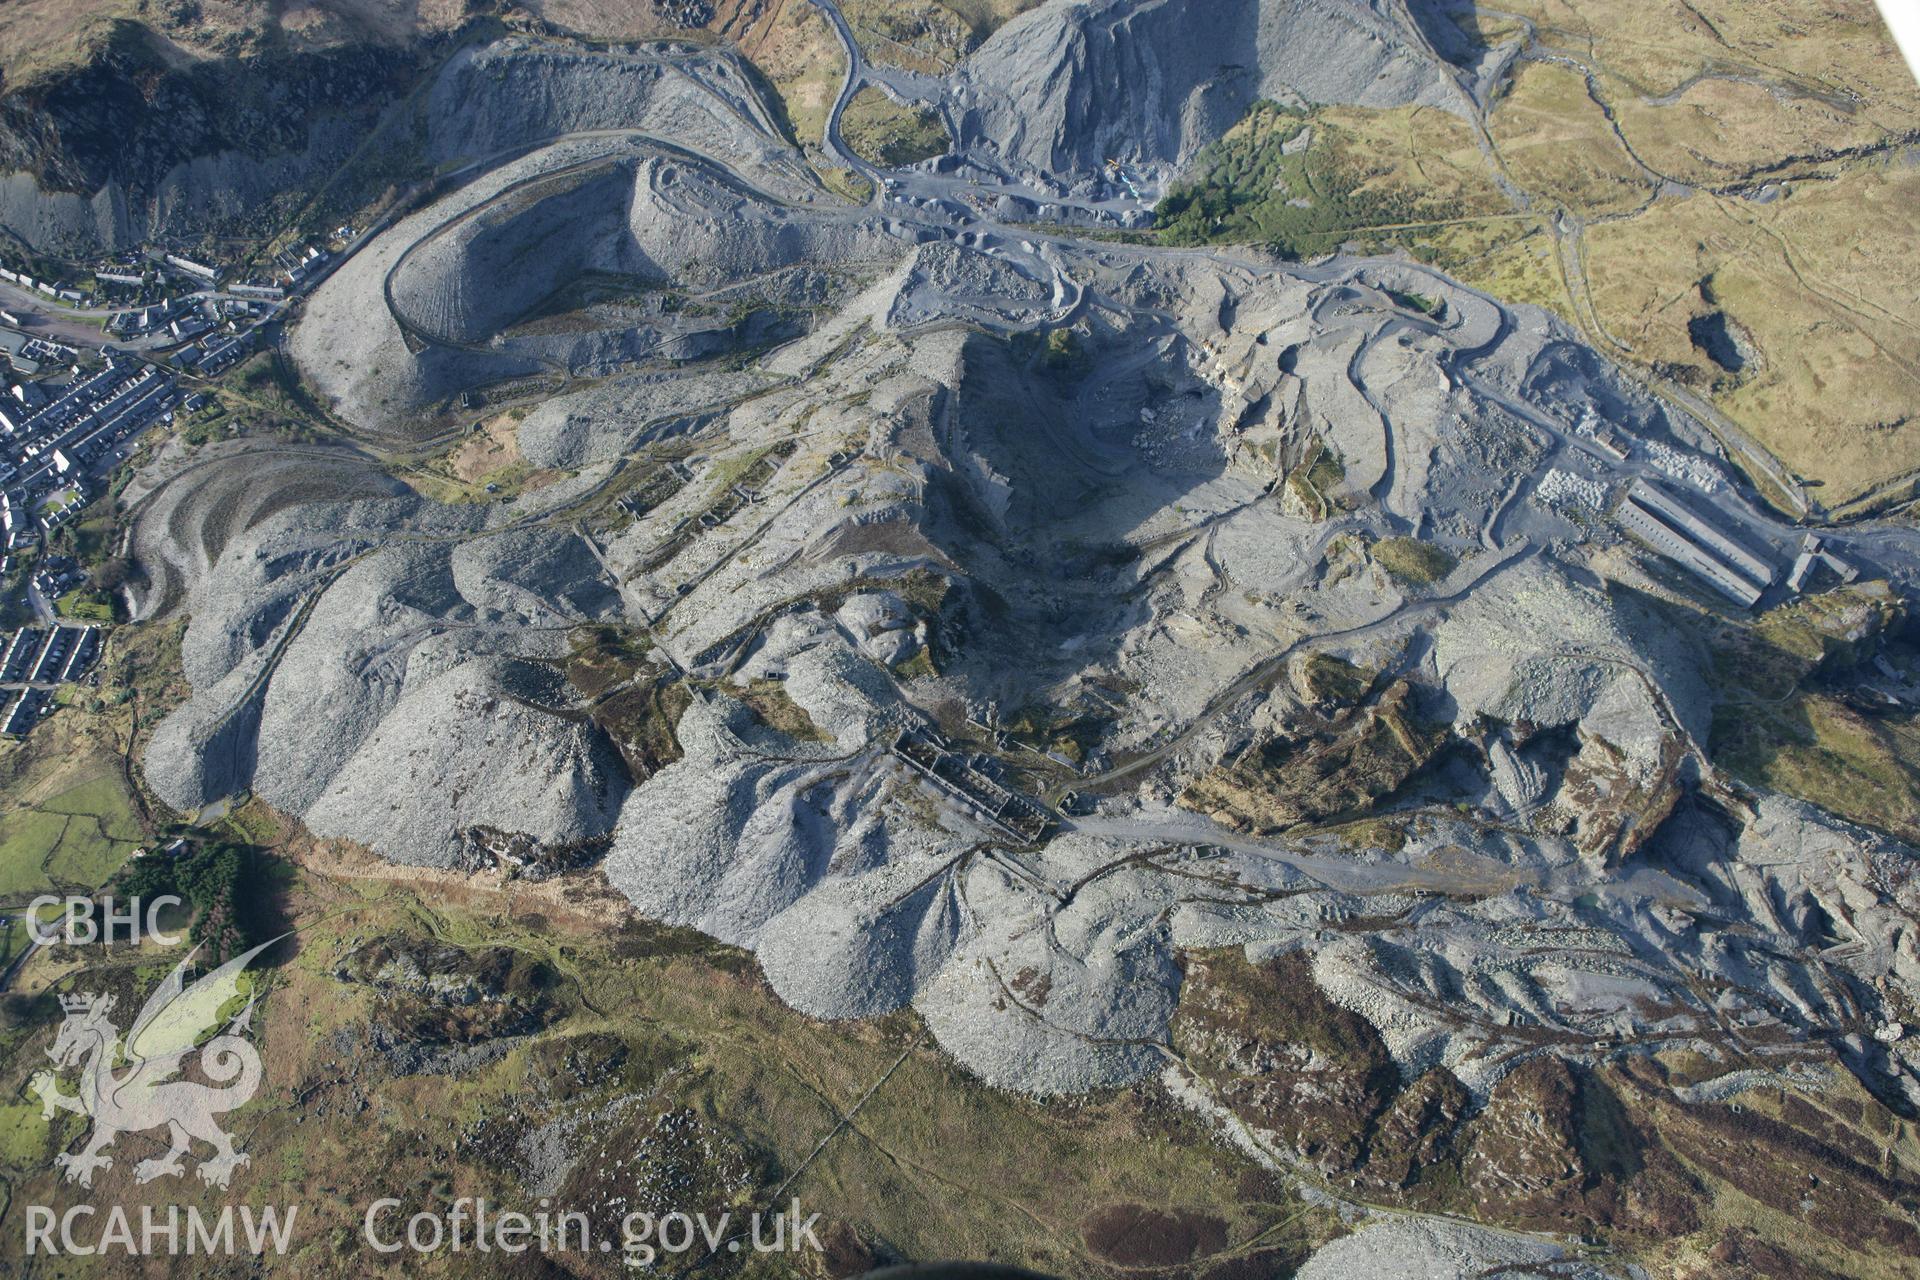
(1064, 87)
(137, 144)
(1538, 652)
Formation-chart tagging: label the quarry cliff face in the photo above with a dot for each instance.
(140, 140)
(132, 145)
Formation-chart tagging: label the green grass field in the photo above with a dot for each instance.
(76, 839)
(83, 605)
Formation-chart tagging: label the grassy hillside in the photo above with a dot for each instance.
(1303, 183)
(1680, 181)
(883, 132)
(656, 1063)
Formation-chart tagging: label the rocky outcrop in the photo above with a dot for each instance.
(1320, 763)
(1525, 1151)
(1538, 651)
(133, 145)
(1288, 1061)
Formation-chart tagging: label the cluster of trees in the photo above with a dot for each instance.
(114, 573)
(221, 882)
(1250, 190)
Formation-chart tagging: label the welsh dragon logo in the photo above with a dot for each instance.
(130, 1083)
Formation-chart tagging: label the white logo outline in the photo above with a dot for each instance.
(146, 1094)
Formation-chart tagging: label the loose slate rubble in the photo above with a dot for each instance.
(1161, 567)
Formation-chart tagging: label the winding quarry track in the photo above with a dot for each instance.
(1073, 513)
